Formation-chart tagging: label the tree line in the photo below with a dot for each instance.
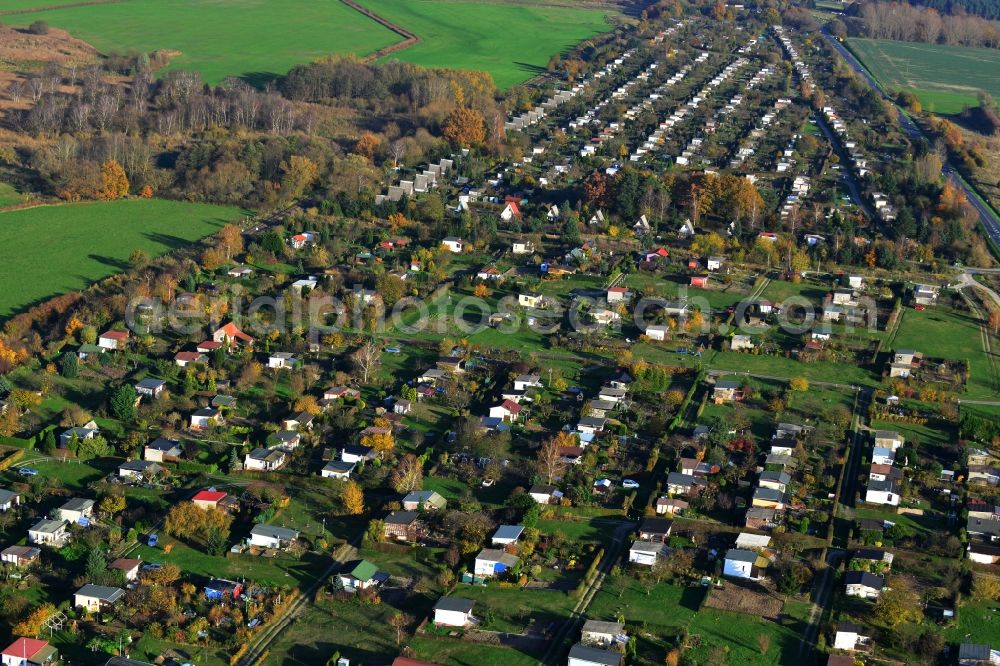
(902, 21)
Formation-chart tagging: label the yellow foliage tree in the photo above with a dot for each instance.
(464, 127)
(367, 145)
(114, 182)
(353, 499)
(31, 625)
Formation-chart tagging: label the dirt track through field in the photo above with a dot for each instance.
(31, 10)
(409, 39)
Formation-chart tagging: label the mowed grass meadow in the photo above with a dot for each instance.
(49, 250)
(512, 41)
(944, 78)
(256, 39)
(262, 39)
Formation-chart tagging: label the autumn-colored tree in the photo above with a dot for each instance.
(146, 192)
(408, 475)
(382, 442)
(995, 321)
(481, 291)
(367, 145)
(73, 325)
(308, 404)
(300, 173)
(695, 322)
(114, 182)
(187, 519)
(464, 127)
(213, 258)
(231, 240)
(10, 422)
(353, 499)
(596, 190)
(798, 384)
(112, 504)
(707, 245)
(31, 624)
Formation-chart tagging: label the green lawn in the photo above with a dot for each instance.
(90, 241)
(257, 39)
(664, 608)
(9, 196)
(267, 571)
(944, 78)
(980, 619)
(450, 652)
(738, 634)
(512, 41)
(939, 332)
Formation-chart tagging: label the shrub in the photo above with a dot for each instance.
(39, 28)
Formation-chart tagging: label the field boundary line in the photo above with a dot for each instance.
(47, 8)
(409, 38)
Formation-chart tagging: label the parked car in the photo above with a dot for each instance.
(630, 484)
(27, 471)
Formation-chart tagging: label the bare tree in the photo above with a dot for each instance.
(365, 358)
(550, 461)
(398, 621)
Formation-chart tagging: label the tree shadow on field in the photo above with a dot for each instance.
(528, 67)
(117, 264)
(166, 240)
(260, 80)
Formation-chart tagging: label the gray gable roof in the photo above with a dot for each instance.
(275, 532)
(457, 604)
(595, 656)
(102, 592)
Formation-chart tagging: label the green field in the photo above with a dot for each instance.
(9, 196)
(512, 41)
(256, 39)
(88, 242)
(944, 78)
(942, 333)
(259, 40)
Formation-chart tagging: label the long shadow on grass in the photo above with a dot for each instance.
(117, 264)
(528, 67)
(260, 80)
(166, 240)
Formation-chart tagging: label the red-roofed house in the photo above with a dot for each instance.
(29, 652)
(208, 346)
(113, 340)
(617, 295)
(699, 281)
(508, 410)
(662, 253)
(230, 333)
(185, 358)
(208, 499)
(299, 241)
(511, 211)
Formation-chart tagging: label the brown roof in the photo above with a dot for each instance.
(124, 564)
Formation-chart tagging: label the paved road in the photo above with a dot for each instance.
(991, 225)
